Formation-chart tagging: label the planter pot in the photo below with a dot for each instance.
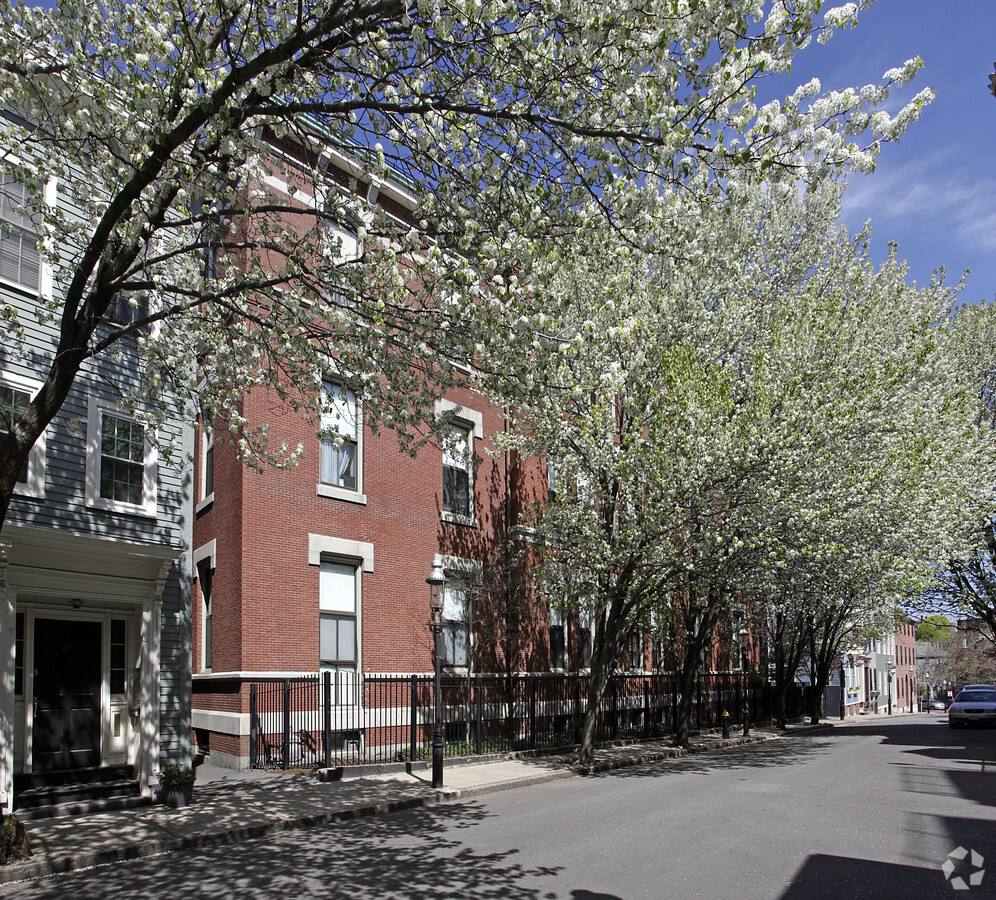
(178, 795)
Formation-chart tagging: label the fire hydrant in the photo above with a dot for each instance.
(726, 723)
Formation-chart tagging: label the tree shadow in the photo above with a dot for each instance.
(748, 756)
(390, 856)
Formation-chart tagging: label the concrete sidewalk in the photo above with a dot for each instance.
(234, 806)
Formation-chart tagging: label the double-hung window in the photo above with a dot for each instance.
(206, 439)
(15, 395)
(13, 403)
(20, 261)
(340, 457)
(586, 635)
(458, 470)
(558, 639)
(635, 650)
(456, 622)
(121, 463)
(338, 636)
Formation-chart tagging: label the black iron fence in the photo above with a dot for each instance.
(296, 722)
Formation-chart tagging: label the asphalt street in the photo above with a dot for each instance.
(866, 809)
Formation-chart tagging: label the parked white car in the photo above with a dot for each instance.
(974, 705)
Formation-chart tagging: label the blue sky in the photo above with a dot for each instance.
(934, 193)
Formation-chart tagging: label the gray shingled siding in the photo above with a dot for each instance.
(63, 507)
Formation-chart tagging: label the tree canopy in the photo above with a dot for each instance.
(166, 126)
(746, 410)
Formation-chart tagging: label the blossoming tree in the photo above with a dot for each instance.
(753, 403)
(157, 125)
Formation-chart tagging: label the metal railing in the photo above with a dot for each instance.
(297, 723)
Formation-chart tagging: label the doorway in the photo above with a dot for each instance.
(67, 688)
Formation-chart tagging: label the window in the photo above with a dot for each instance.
(456, 622)
(207, 457)
(204, 565)
(121, 463)
(118, 647)
(342, 246)
(126, 309)
(635, 650)
(122, 460)
(551, 478)
(13, 403)
(338, 639)
(558, 639)
(458, 469)
(586, 634)
(339, 462)
(205, 574)
(15, 395)
(20, 261)
(457, 428)
(739, 641)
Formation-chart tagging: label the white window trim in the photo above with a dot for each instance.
(335, 491)
(150, 476)
(324, 548)
(45, 277)
(473, 421)
(205, 553)
(321, 545)
(202, 442)
(472, 571)
(35, 485)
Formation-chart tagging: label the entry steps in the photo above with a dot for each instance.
(50, 795)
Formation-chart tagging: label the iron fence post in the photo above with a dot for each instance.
(646, 708)
(479, 697)
(327, 717)
(615, 708)
(578, 718)
(285, 750)
(532, 711)
(413, 718)
(254, 729)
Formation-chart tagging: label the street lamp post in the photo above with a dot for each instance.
(892, 670)
(437, 581)
(843, 699)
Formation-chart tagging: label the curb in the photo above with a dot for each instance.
(30, 869)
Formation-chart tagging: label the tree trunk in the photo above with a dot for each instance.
(589, 729)
(686, 686)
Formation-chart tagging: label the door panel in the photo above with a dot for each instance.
(66, 732)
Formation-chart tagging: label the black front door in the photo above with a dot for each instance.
(66, 732)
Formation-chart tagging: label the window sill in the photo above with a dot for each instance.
(25, 490)
(127, 509)
(458, 519)
(341, 493)
(205, 503)
(33, 292)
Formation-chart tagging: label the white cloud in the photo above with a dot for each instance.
(926, 196)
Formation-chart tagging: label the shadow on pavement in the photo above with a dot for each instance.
(824, 875)
(767, 753)
(369, 858)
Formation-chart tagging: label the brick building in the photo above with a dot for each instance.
(905, 679)
(322, 567)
